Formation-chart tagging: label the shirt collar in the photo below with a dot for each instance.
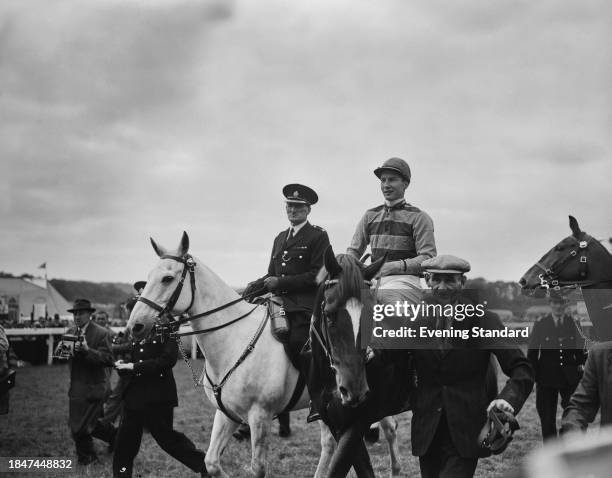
(84, 328)
(296, 228)
(393, 205)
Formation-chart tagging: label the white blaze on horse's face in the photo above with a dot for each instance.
(354, 307)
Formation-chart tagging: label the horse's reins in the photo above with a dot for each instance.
(172, 327)
(550, 276)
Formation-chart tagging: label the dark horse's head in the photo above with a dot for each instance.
(343, 300)
(578, 259)
(581, 261)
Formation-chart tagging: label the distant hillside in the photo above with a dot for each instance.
(98, 293)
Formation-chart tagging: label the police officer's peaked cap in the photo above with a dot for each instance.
(81, 304)
(299, 194)
(445, 264)
(396, 165)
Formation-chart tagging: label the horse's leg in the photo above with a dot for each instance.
(389, 428)
(222, 430)
(351, 451)
(260, 422)
(328, 443)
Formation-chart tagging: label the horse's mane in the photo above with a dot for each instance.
(350, 280)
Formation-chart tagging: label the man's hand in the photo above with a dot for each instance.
(121, 365)
(271, 283)
(81, 345)
(500, 404)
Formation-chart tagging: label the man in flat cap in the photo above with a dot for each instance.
(297, 256)
(557, 353)
(451, 400)
(88, 382)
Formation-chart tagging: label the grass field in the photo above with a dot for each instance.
(37, 427)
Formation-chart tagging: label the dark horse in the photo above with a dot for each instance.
(350, 388)
(580, 261)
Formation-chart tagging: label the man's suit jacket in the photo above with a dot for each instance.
(88, 378)
(556, 353)
(593, 392)
(296, 262)
(453, 381)
(152, 381)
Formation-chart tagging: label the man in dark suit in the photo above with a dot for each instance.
(594, 392)
(297, 256)
(149, 400)
(557, 353)
(88, 382)
(451, 399)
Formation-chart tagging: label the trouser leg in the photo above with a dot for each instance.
(442, 460)
(176, 444)
(546, 405)
(127, 443)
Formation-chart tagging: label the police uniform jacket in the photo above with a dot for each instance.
(296, 262)
(152, 381)
(453, 381)
(556, 352)
(88, 376)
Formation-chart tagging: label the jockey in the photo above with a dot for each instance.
(396, 228)
(403, 232)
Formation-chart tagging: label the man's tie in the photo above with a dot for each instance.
(290, 234)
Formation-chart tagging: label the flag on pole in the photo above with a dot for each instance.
(43, 265)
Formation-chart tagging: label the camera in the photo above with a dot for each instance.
(65, 349)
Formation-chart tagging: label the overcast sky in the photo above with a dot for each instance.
(121, 120)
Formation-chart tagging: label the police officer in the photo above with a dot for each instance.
(557, 353)
(297, 257)
(149, 401)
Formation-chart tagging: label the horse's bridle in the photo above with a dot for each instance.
(170, 328)
(189, 265)
(323, 338)
(550, 276)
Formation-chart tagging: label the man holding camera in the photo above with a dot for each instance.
(88, 381)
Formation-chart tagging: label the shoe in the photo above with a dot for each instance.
(372, 435)
(284, 431)
(242, 432)
(313, 415)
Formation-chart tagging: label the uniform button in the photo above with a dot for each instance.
(439, 409)
(142, 350)
(300, 257)
(161, 374)
(284, 252)
(283, 264)
(140, 360)
(282, 275)
(154, 342)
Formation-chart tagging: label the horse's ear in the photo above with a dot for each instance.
(331, 263)
(184, 247)
(370, 271)
(574, 227)
(160, 251)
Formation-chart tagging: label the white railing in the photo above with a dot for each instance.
(53, 331)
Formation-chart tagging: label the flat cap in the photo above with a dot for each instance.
(397, 165)
(300, 194)
(446, 264)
